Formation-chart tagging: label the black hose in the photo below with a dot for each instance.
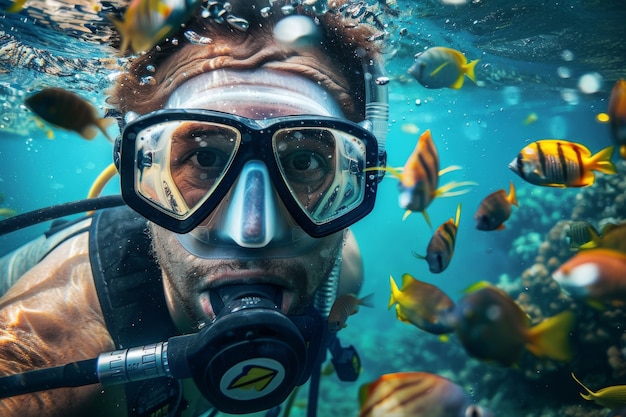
(74, 374)
(60, 210)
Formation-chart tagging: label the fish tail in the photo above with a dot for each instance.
(602, 161)
(103, 124)
(550, 338)
(16, 6)
(395, 293)
(469, 70)
(595, 240)
(512, 197)
(121, 28)
(367, 301)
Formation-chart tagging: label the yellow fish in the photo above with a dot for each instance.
(419, 178)
(441, 246)
(7, 212)
(610, 397)
(148, 22)
(440, 67)
(421, 304)
(560, 163)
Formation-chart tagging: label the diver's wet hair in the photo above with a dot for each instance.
(336, 64)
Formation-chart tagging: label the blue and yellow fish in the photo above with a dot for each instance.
(440, 67)
(148, 22)
(441, 246)
(560, 163)
(416, 394)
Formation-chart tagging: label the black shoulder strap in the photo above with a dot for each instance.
(128, 279)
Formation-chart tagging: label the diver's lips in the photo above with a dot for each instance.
(246, 278)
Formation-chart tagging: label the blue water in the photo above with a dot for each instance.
(524, 68)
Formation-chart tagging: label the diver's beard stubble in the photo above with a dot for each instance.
(186, 278)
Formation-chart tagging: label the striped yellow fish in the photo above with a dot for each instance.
(560, 163)
(419, 178)
(416, 394)
(441, 246)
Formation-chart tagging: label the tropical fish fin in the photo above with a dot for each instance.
(449, 169)
(123, 30)
(591, 396)
(458, 83)
(395, 293)
(406, 214)
(551, 337)
(427, 218)
(393, 171)
(469, 70)
(602, 161)
(446, 190)
(596, 239)
(16, 6)
(477, 286)
(407, 279)
(418, 256)
(401, 316)
(89, 132)
(458, 215)
(103, 124)
(501, 227)
(512, 198)
(367, 301)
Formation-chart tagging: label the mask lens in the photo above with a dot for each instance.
(323, 169)
(179, 164)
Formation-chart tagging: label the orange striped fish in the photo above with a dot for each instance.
(495, 209)
(617, 114)
(419, 179)
(441, 246)
(416, 394)
(559, 163)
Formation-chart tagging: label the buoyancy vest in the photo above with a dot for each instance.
(129, 286)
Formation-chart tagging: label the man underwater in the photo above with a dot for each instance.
(247, 157)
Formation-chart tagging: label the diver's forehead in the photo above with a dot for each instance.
(256, 94)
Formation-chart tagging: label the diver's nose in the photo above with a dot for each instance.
(252, 217)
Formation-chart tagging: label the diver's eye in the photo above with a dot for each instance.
(207, 158)
(302, 161)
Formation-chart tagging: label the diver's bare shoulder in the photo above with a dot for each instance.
(52, 317)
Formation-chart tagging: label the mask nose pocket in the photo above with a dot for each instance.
(251, 216)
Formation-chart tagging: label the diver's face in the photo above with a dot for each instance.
(224, 258)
